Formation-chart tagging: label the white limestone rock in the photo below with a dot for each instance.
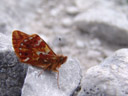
(67, 22)
(46, 83)
(72, 10)
(104, 19)
(80, 44)
(110, 78)
(5, 42)
(84, 5)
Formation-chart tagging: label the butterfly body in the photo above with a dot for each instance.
(33, 50)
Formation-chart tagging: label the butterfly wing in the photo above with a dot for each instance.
(32, 49)
(17, 37)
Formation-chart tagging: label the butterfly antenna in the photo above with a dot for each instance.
(60, 46)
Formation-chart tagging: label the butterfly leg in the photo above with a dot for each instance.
(44, 68)
(40, 72)
(58, 79)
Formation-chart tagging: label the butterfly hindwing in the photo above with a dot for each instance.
(17, 37)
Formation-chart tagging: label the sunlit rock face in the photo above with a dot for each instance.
(46, 83)
(109, 78)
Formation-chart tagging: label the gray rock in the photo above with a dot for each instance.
(46, 83)
(80, 44)
(67, 22)
(109, 78)
(102, 19)
(72, 10)
(12, 72)
(86, 4)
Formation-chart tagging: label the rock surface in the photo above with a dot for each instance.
(104, 20)
(12, 72)
(110, 78)
(46, 83)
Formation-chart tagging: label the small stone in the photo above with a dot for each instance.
(80, 44)
(67, 22)
(55, 11)
(93, 54)
(72, 10)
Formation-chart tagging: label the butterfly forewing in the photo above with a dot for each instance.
(32, 49)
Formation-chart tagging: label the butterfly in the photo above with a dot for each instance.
(33, 50)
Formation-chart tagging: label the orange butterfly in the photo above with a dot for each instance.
(33, 50)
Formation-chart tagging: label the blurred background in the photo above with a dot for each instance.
(89, 30)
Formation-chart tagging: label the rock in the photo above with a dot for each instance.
(72, 10)
(46, 83)
(86, 4)
(109, 78)
(67, 22)
(55, 11)
(80, 44)
(93, 54)
(103, 21)
(12, 72)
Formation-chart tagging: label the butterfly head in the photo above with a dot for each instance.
(62, 59)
